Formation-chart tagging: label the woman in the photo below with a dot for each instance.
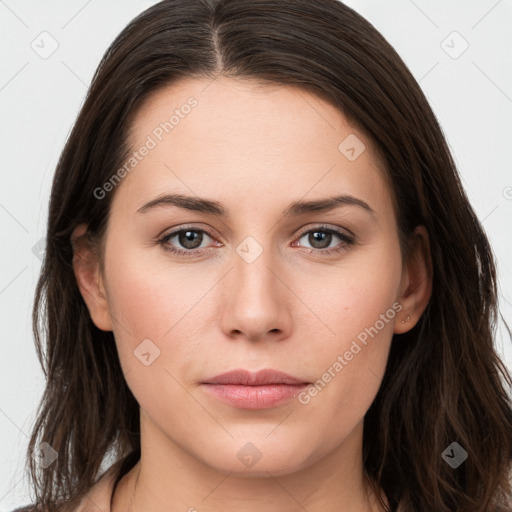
(326, 341)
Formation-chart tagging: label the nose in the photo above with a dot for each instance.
(258, 300)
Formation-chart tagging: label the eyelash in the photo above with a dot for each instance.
(346, 239)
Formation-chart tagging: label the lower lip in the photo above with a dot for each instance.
(254, 397)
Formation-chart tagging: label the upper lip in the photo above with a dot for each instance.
(247, 378)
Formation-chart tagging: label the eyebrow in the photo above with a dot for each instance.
(295, 209)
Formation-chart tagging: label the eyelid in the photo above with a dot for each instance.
(337, 229)
(185, 227)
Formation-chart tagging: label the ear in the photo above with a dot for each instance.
(89, 280)
(416, 285)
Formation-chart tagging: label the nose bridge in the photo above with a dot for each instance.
(252, 263)
(256, 297)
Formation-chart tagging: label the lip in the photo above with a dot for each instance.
(260, 390)
(261, 378)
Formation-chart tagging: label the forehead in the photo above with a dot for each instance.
(229, 136)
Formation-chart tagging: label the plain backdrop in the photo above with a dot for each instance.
(459, 51)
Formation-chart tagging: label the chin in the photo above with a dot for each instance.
(257, 457)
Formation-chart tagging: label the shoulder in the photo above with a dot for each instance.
(28, 508)
(99, 494)
(56, 508)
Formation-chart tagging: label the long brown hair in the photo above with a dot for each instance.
(444, 380)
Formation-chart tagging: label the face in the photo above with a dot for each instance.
(314, 293)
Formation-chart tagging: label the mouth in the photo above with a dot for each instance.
(261, 390)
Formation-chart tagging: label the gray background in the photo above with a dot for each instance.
(470, 91)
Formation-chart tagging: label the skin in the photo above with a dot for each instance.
(255, 150)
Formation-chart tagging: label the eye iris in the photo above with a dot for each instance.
(323, 236)
(185, 237)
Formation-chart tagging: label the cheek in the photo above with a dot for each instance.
(153, 306)
(159, 309)
(358, 307)
(149, 295)
(351, 297)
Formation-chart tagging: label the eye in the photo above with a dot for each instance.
(321, 237)
(191, 239)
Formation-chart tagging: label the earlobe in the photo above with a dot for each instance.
(89, 280)
(416, 286)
